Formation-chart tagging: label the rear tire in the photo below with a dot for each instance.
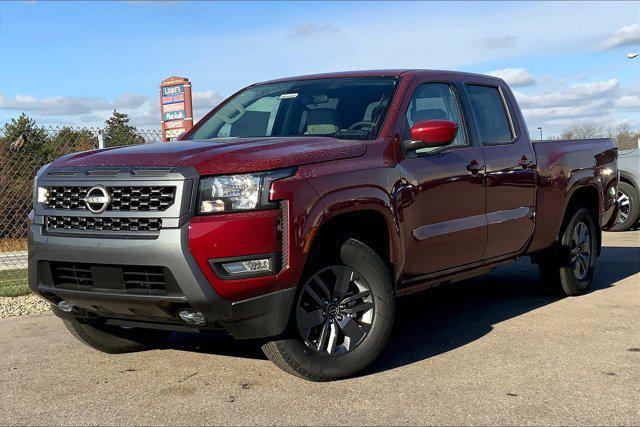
(113, 339)
(568, 267)
(352, 328)
(629, 211)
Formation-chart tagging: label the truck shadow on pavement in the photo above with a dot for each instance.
(445, 318)
(441, 319)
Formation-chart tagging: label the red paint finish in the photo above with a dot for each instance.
(448, 214)
(434, 133)
(234, 235)
(225, 156)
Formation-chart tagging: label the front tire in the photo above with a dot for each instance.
(568, 267)
(113, 339)
(629, 209)
(342, 318)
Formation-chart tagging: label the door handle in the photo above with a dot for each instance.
(474, 167)
(525, 162)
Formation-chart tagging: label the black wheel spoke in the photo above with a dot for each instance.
(310, 319)
(315, 297)
(583, 264)
(322, 286)
(344, 277)
(358, 308)
(356, 297)
(351, 329)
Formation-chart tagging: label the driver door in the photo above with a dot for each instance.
(443, 197)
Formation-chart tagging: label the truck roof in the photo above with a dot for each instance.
(380, 73)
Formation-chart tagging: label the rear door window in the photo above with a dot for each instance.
(491, 114)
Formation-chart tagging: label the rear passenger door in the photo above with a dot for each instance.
(510, 169)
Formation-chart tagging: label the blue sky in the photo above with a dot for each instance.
(73, 62)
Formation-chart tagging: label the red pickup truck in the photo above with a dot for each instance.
(298, 209)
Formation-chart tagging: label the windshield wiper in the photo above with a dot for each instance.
(351, 134)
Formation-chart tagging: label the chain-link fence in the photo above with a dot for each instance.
(24, 149)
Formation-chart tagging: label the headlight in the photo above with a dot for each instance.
(229, 193)
(40, 194)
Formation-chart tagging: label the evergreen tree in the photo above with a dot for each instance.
(118, 131)
(24, 148)
(69, 140)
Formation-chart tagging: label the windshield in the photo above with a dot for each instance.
(350, 108)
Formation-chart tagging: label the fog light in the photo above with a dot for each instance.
(66, 306)
(263, 265)
(192, 317)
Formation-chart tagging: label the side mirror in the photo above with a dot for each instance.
(431, 133)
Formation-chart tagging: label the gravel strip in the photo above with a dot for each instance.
(18, 306)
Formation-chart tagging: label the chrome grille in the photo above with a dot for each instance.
(142, 199)
(102, 223)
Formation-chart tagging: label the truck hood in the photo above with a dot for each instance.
(211, 157)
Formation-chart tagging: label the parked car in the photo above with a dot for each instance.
(299, 209)
(628, 189)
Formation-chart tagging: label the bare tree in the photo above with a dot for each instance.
(624, 137)
(583, 130)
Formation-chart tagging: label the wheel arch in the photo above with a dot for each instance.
(369, 220)
(588, 197)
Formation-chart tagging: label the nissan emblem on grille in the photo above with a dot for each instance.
(97, 199)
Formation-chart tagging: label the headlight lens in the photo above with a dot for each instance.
(229, 193)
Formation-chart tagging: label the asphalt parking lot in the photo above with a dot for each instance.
(492, 350)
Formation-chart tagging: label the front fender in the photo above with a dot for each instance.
(366, 198)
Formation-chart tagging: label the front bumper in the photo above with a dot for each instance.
(261, 316)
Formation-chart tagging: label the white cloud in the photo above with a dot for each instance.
(203, 102)
(625, 36)
(206, 100)
(130, 100)
(499, 42)
(628, 102)
(589, 109)
(309, 29)
(515, 77)
(63, 105)
(558, 106)
(573, 95)
(68, 105)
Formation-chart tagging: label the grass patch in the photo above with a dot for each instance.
(14, 283)
(12, 245)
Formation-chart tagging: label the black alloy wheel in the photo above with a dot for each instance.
(335, 310)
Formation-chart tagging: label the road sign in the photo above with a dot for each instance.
(176, 107)
(174, 124)
(172, 99)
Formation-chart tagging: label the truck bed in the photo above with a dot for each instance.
(563, 167)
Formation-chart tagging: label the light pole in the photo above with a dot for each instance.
(540, 129)
(632, 55)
